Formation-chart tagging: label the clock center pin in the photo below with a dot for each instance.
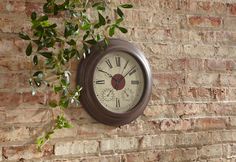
(118, 82)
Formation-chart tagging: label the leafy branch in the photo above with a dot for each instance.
(53, 45)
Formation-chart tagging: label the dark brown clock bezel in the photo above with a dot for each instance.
(85, 75)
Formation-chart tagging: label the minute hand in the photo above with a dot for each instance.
(128, 72)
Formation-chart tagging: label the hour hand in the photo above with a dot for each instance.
(105, 72)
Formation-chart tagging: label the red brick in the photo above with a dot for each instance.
(33, 7)
(177, 125)
(220, 65)
(210, 123)
(200, 21)
(208, 7)
(38, 98)
(232, 9)
(26, 152)
(14, 5)
(9, 81)
(181, 5)
(10, 99)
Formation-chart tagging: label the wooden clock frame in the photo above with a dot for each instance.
(85, 75)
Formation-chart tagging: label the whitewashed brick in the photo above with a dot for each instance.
(76, 147)
(119, 144)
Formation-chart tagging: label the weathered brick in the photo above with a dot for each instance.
(76, 147)
(181, 5)
(160, 111)
(10, 24)
(169, 79)
(14, 133)
(26, 152)
(228, 80)
(150, 142)
(119, 144)
(28, 115)
(5, 78)
(189, 154)
(203, 79)
(10, 99)
(201, 21)
(210, 151)
(187, 139)
(210, 123)
(176, 124)
(232, 9)
(229, 23)
(208, 7)
(14, 6)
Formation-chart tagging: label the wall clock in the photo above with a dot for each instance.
(116, 82)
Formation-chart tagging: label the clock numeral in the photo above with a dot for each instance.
(100, 82)
(118, 61)
(117, 102)
(134, 82)
(109, 64)
(132, 72)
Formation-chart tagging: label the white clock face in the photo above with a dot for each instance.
(118, 82)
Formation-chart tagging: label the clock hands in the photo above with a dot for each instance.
(124, 67)
(108, 74)
(127, 73)
(105, 72)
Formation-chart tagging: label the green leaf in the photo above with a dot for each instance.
(85, 26)
(63, 82)
(91, 41)
(46, 54)
(86, 35)
(112, 31)
(29, 49)
(35, 60)
(53, 103)
(72, 42)
(97, 4)
(126, 5)
(33, 16)
(24, 36)
(119, 12)
(123, 30)
(48, 7)
(102, 8)
(37, 73)
(102, 20)
(43, 18)
(62, 122)
(64, 103)
(118, 21)
(70, 29)
(57, 89)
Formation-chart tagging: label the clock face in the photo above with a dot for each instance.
(118, 82)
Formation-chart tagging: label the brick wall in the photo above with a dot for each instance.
(191, 45)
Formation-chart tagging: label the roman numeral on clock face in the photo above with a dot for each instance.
(117, 102)
(100, 82)
(118, 61)
(109, 64)
(135, 82)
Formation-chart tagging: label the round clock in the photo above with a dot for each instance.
(116, 82)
